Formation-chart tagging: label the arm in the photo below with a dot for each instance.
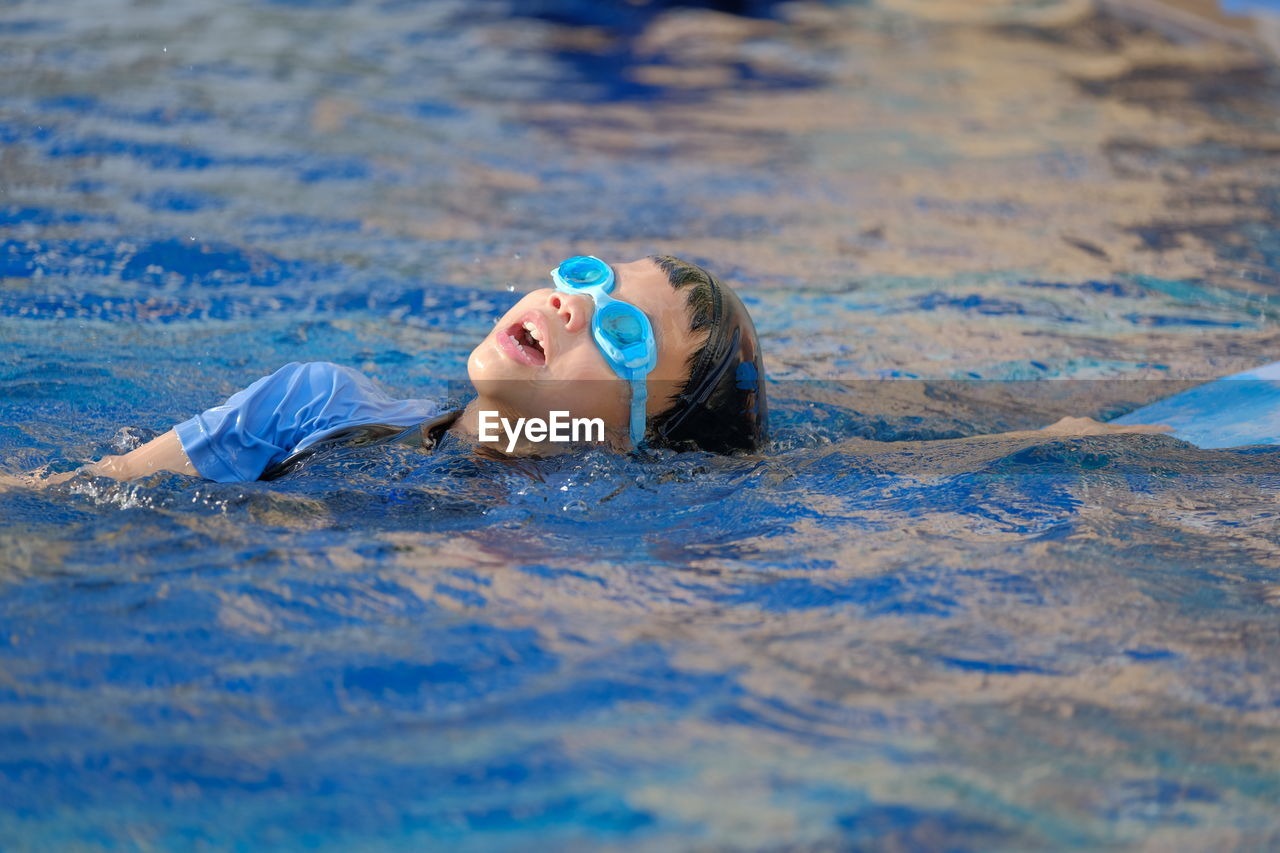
(1072, 428)
(1063, 427)
(164, 453)
(261, 425)
(231, 442)
(1088, 426)
(256, 427)
(1069, 428)
(160, 454)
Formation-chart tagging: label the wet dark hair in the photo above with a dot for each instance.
(721, 407)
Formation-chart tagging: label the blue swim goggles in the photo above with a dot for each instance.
(621, 331)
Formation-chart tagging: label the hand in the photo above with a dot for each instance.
(1088, 426)
(34, 480)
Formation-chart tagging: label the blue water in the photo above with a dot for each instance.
(883, 633)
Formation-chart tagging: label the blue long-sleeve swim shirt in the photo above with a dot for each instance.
(285, 412)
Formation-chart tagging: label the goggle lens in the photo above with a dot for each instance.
(583, 272)
(621, 324)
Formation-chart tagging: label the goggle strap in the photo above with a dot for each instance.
(639, 415)
(692, 400)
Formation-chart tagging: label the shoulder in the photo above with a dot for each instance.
(318, 370)
(317, 376)
(299, 386)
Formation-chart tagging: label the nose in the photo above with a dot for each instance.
(573, 309)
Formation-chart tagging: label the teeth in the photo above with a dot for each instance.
(533, 331)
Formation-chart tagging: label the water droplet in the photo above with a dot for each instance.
(575, 506)
(511, 288)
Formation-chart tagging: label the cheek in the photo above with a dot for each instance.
(591, 398)
(581, 362)
(583, 383)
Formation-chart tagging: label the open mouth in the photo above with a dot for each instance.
(524, 342)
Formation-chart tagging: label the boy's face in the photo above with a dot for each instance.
(521, 376)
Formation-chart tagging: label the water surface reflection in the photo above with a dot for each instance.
(884, 633)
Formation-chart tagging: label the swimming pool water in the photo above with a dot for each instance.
(949, 219)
